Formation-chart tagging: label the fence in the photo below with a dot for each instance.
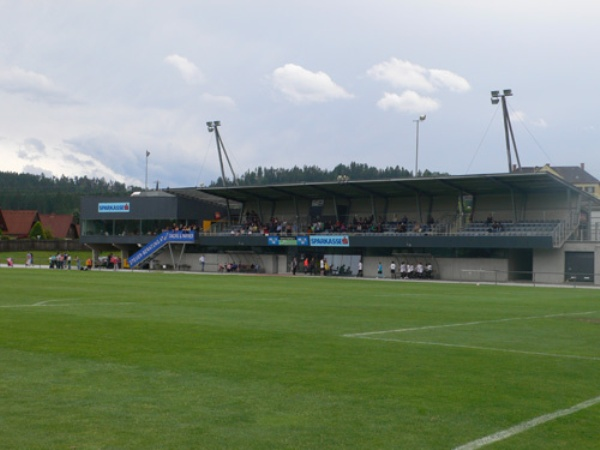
(33, 245)
(526, 277)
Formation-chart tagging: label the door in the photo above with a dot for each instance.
(579, 266)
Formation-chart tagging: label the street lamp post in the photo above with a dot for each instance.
(146, 181)
(418, 121)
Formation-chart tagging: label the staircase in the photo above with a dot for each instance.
(159, 242)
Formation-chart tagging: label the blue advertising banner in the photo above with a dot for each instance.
(123, 207)
(302, 241)
(156, 243)
(282, 241)
(329, 241)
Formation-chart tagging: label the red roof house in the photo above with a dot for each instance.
(18, 223)
(60, 225)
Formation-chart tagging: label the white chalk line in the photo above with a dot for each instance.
(519, 428)
(464, 324)
(474, 347)
(45, 304)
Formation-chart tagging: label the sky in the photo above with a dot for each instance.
(122, 90)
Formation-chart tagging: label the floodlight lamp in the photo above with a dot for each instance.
(209, 124)
(217, 123)
(507, 92)
(495, 93)
(495, 100)
(423, 117)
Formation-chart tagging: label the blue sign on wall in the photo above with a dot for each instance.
(123, 207)
(329, 241)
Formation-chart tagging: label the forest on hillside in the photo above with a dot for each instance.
(313, 174)
(20, 191)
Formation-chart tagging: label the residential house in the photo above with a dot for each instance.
(18, 224)
(60, 225)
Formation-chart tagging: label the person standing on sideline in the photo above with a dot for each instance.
(294, 265)
(360, 269)
(202, 262)
(393, 269)
(379, 270)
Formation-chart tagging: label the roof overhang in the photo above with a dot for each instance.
(488, 184)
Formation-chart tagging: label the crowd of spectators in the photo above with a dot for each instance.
(181, 227)
(358, 224)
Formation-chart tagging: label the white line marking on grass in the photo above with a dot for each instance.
(45, 302)
(474, 347)
(509, 432)
(46, 305)
(449, 325)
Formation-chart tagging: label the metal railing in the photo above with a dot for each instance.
(535, 278)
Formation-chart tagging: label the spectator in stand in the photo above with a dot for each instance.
(430, 222)
(497, 227)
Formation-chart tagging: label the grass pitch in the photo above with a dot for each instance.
(122, 360)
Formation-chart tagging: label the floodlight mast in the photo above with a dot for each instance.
(508, 130)
(214, 126)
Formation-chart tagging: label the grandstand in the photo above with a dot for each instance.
(520, 226)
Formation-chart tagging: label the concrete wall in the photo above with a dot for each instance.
(472, 269)
(548, 265)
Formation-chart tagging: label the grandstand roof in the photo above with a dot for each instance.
(401, 187)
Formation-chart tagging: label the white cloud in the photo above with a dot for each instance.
(408, 101)
(188, 70)
(219, 100)
(31, 85)
(303, 86)
(450, 80)
(402, 74)
(520, 116)
(406, 75)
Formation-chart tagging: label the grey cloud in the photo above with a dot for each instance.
(29, 168)
(32, 149)
(32, 86)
